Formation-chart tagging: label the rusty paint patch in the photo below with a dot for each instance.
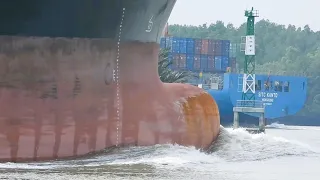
(201, 115)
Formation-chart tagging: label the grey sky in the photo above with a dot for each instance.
(195, 12)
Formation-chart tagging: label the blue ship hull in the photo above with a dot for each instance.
(279, 102)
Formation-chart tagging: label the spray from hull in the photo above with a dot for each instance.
(83, 77)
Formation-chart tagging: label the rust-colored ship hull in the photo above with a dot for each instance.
(80, 76)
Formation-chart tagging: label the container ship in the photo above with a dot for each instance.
(215, 60)
(78, 77)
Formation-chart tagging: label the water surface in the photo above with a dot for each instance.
(284, 152)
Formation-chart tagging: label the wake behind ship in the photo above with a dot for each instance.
(80, 76)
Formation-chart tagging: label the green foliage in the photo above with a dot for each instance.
(166, 74)
(282, 50)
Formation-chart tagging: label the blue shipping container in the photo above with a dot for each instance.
(170, 58)
(183, 45)
(211, 67)
(224, 63)
(217, 62)
(190, 45)
(225, 48)
(175, 45)
(163, 43)
(204, 62)
(169, 43)
(190, 59)
(218, 47)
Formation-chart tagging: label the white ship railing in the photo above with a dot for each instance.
(250, 103)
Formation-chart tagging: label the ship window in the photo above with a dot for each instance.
(303, 84)
(278, 86)
(258, 85)
(286, 86)
(266, 85)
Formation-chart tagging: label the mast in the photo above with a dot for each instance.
(248, 103)
(248, 89)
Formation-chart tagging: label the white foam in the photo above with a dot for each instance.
(231, 146)
(277, 125)
(239, 145)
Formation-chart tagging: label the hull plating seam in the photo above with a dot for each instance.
(117, 75)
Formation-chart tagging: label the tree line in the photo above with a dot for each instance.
(284, 50)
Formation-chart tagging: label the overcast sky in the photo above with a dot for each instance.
(195, 12)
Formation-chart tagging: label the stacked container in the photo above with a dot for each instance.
(217, 62)
(211, 65)
(218, 48)
(175, 45)
(190, 62)
(204, 62)
(233, 64)
(205, 55)
(196, 63)
(224, 62)
(211, 47)
(190, 45)
(204, 46)
(225, 48)
(183, 46)
(175, 61)
(198, 46)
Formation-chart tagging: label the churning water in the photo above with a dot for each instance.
(285, 152)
